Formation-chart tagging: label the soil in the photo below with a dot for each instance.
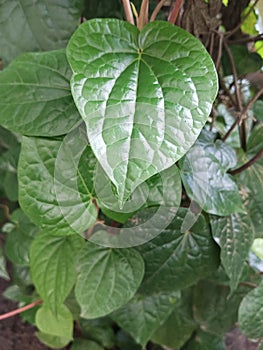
(17, 335)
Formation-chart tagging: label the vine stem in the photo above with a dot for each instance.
(21, 309)
(248, 164)
(128, 11)
(175, 11)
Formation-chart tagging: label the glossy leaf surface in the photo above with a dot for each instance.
(144, 128)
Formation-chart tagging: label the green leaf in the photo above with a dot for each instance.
(175, 260)
(83, 344)
(214, 309)
(3, 270)
(59, 325)
(245, 61)
(35, 97)
(108, 279)
(52, 341)
(143, 315)
(20, 238)
(152, 96)
(37, 193)
(257, 247)
(205, 178)
(163, 189)
(250, 317)
(58, 21)
(235, 235)
(52, 265)
(205, 341)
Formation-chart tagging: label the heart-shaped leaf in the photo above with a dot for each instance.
(108, 279)
(144, 96)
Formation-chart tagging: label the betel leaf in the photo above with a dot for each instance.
(205, 178)
(108, 279)
(59, 325)
(35, 97)
(144, 96)
(250, 317)
(20, 238)
(143, 315)
(52, 341)
(44, 25)
(83, 344)
(52, 266)
(175, 260)
(235, 234)
(38, 195)
(100, 330)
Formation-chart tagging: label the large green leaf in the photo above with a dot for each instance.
(59, 325)
(108, 279)
(52, 265)
(250, 316)
(144, 96)
(204, 175)
(235, 235)
(35, 97)
(38, 195)
(36, 26)
(20, 238)
(175, 259)
(143, 315)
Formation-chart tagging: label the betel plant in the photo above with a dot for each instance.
(139, 205)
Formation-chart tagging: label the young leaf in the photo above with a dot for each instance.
(3, 270)
(250, 313)
(52, 265)
(59, 325)
(108, 279)
(58, 21)
(37, 193)
(204, 175)
(152, 96)
(143, 315)
(35, 97)
(175, 260)
(235, 234)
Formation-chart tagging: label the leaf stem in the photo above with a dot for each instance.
(157, 10)
(144, 14)
(128, 11)
(175, 11)
(248, 164)
(21, 309)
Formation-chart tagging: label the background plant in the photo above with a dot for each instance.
(199, 280)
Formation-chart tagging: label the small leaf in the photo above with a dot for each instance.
(20, 238)
(52, 265)
(99, 330)
(58, 21)
(3, 270)
(108, 279)
(59, 325)
(35, 95)
(204, 175)
(175, 260)
(52, 341)
(257, 247)
(38, 195)
(143, 315)
(235, 234)
(152, 96)
(250, 318)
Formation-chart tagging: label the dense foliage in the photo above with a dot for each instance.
(131, 171)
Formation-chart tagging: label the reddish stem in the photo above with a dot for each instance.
(21, 309)
(175, 11)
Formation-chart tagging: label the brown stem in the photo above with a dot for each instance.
(246, 39)
(157, 10)
(248, 164)
(6, 210)
(220, 49)
(128, 11)
(175, 11)
(233, 31)
(144, 13)
(22, 309)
